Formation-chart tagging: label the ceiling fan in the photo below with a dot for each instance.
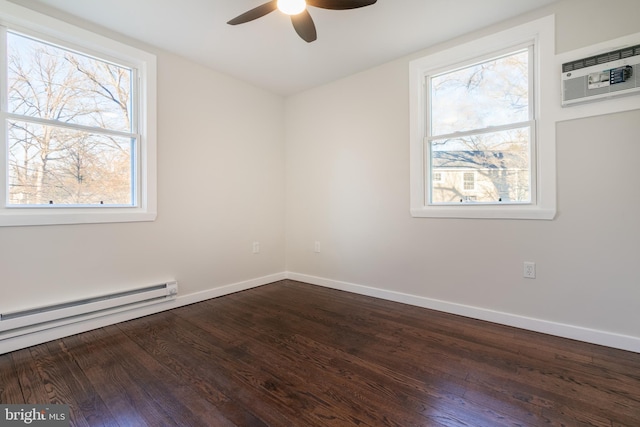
(297, 9)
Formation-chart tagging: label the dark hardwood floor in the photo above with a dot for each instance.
(292, 354)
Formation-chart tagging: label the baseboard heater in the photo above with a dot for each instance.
(40, 318)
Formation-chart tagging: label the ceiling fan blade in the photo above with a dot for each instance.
(340, 4)
(304, 26)
(255, 13)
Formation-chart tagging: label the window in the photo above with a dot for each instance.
(70, 131)
(479, 118)
(78, 140)
(469, 181)
(478, 123)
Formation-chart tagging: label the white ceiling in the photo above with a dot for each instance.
(268, 53)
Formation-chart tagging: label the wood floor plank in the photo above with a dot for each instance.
(10, 390)
(85, 403)
(60, 386)
(32, 385)
(292, 354)
(123, 397)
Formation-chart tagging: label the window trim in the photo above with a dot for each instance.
(49, 29)
(543, 206)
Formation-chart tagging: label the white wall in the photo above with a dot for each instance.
(221, 187)
(348, 187)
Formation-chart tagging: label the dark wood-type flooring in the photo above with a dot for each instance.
(292, 354)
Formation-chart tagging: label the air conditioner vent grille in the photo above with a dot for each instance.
(615, 55)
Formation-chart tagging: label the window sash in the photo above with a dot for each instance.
(491, 129)
(429, 169)
(502, 53)
(89, 129)
(65, 179)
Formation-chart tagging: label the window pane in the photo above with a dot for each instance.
(60, 166)
(52, 83)
(485, 168)
(492, 93)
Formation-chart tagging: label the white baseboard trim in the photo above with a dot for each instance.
(229, 289)
(608, 339)
(23, 341)
(623, 342)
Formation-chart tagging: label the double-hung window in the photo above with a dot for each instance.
(481, 145)
(78, 137)
(481, 124)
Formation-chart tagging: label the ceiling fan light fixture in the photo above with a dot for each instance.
(292, 7)
(297, 9)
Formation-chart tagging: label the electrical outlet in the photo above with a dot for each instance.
(529, 270)
(316, 247)
(256, 247)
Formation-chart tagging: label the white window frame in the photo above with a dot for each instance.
(29, 22)
(529, 124)
(541, 33)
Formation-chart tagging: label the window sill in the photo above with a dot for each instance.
(484, 212)
(28, 217)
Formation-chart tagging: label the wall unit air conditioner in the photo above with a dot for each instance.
(607, 75)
